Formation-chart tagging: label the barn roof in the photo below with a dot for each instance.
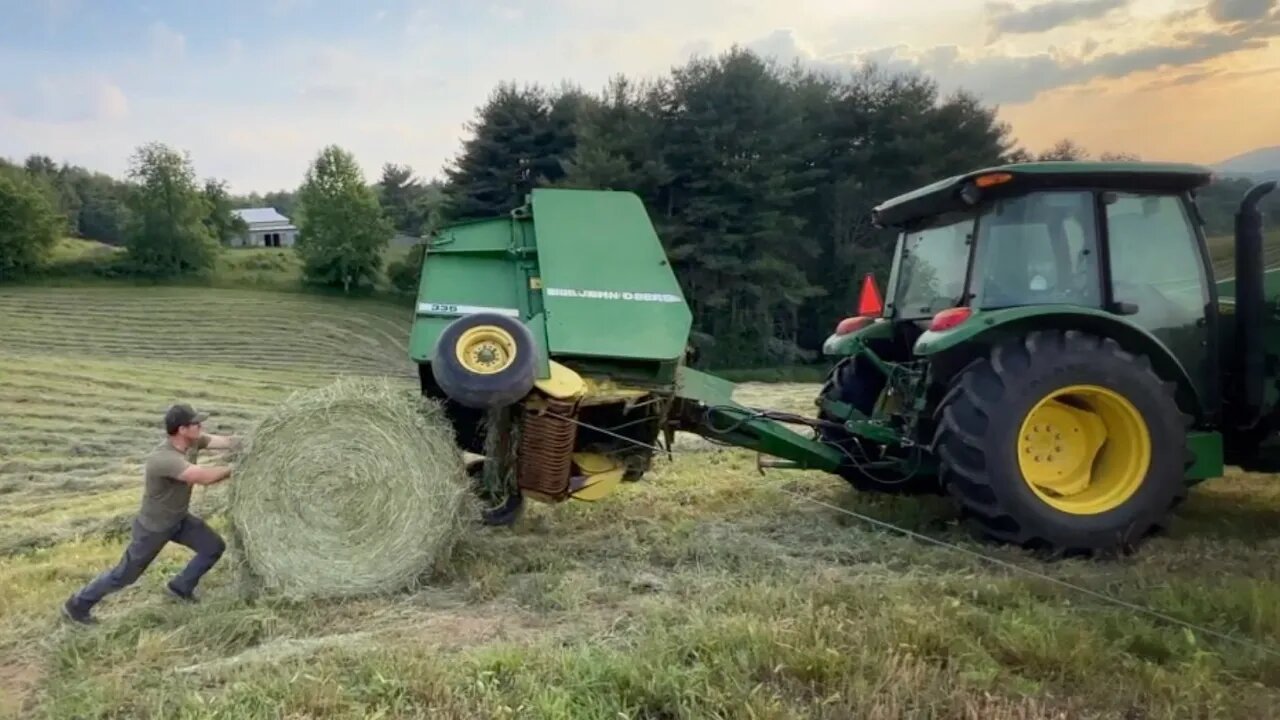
(260, 215)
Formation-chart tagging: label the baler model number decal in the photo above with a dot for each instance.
(615, 295)
(447, 309)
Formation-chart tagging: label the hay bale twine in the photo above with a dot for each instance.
(351, 489)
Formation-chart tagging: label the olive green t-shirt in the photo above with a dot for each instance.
(165, 499)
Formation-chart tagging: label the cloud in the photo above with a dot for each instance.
(507, 13)
(167, 44)
(67, 99)
(1006, 19)
(110, 102)
(782, 44)
(1005, 78)
(1234, 11)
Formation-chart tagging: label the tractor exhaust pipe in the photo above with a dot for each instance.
(1249, 305)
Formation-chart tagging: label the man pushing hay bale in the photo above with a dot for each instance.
(351, 489)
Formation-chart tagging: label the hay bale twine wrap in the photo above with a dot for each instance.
(351, 489)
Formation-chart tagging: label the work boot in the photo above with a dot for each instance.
(180, 594)
(77, 613)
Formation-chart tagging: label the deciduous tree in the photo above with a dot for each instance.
(167, 232)
(29, 224)
(342, 231)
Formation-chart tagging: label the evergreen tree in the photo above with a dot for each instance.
(341, 231)
(400, 195)
(617, 144)
(740, 165)
(520, 140)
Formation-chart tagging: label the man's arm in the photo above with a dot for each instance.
(222, 442)
(197, 475)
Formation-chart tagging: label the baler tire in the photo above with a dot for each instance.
(485, 391)
(981, 434)
(846, 383)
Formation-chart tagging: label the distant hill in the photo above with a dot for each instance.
(1260, 164)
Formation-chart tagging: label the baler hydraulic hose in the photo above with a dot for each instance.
(751, 414)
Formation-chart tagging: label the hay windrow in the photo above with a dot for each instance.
(351, 489)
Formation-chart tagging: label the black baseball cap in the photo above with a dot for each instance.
(182, 414)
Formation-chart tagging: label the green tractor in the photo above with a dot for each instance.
(1053, 352)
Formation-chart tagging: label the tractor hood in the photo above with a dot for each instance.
(584, 270)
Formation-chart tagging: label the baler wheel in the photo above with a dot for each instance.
(1065, 442)
(485, 361)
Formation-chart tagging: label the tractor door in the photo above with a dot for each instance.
(1160, 282)
(1038, 249)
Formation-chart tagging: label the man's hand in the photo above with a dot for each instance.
(197, 475)
(223, 442)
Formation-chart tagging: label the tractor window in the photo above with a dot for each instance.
(1157, 270)
(932, 268)
(1155, 259)
(1038, 249)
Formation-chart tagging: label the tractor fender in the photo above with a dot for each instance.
(844, 345)
(988, 327)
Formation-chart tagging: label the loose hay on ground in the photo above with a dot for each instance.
(351, 489)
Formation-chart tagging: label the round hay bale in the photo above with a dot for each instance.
(351, 489)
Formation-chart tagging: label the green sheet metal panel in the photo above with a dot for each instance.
(607, 287)
(469, 268)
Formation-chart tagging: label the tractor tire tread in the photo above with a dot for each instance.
(979, 405)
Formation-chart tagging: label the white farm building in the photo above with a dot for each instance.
(267, 228)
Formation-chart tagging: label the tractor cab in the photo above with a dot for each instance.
(1115, 238)
(1118, 240)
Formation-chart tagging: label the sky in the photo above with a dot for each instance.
(253, 89)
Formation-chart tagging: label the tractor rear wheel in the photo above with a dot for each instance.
(1065, 442)
(855, 382)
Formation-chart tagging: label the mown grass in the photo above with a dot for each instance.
(703, 591)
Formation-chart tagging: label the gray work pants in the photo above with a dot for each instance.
(143, 547)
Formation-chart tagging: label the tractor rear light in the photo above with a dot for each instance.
(851, 324)
(948, 319)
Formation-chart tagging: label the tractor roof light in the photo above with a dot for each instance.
(971, 192)
(948, 319)
(992, 179)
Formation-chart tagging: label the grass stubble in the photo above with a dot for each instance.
(701, 591)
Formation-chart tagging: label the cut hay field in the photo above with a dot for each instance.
(704, 591)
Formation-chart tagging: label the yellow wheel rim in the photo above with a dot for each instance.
(1084, 449)
(486, 349)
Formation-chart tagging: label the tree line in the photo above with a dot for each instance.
(171, 224)
(759, 178)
